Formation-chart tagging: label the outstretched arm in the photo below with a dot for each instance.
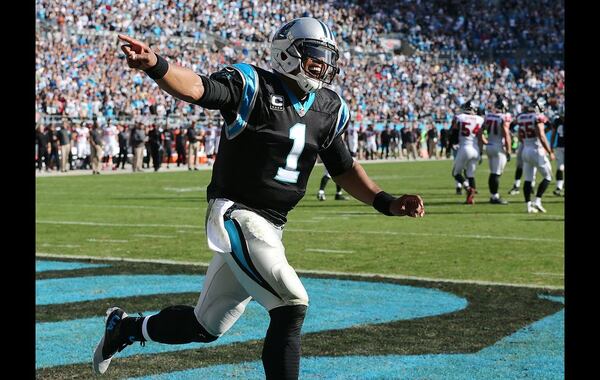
(358, 184)
(178, 81)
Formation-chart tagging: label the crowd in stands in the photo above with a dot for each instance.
(81, 73)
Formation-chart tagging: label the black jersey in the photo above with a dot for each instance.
(271, 141)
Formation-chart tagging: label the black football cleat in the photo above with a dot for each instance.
(111, 342)
(498, 201)
(340, 197)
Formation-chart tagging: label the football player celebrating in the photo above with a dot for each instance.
(468, 124)
(535, 147)
(276, 123)
(498, 145)
(558, 135)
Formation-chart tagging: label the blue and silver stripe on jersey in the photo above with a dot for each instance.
(300, 107)
(342, 119)
(249, 93)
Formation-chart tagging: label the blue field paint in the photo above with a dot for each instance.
(334, 304)
(534, 352)
(76, 289)
(44, 265)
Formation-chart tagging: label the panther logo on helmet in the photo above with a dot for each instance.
(305, 50)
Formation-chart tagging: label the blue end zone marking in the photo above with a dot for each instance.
(534, 352)
(63, 290)
(335, 304)
(44, 265)
(236, 246)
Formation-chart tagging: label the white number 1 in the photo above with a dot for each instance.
(289, 174)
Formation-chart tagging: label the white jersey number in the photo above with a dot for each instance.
(289, 174)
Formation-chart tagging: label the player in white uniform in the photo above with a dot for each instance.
(371, 145)
(352, 139)
(498, 145)
(468, 124)
(111, 145)
(209, 143)
(558, 130)
(535, 153)
(83, 145)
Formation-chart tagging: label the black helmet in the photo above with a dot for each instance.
(468, 107)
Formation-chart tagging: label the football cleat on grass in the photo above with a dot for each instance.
(340, 197)
(558, 192)
(514, 191)
(539, 207)
(498, 201)
(531, 209)
(321, 197)
(470, 195)
(458, 191)
(112, 340)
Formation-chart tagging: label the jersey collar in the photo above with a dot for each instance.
(300, 107)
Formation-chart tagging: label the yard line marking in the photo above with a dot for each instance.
(184, 189)
(306, 271)
(428, 234)
(155, 236)
(117, 224)
(60, 245)
(135, 207)
(107, 240)
(549, 274)
(518, 238)
(327, 250)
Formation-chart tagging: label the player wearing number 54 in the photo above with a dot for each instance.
(276, 123)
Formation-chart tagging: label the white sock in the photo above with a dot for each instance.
(458, 185)
(517, 183)
(321, 192)
(559, 184)
(466, 184)
(496, 196)
(538, 200)
(145, 329)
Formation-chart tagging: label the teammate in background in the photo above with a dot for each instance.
(209, 143)
(535, 147)
(111, 145)
(168, 137)
(180, 141)
(193, 146)
(83, 145)
(352, 139)
(338, 189)
(385, 136)
(395, 143)
(468, 124)
(277, 123)
(371, 142)
(558, 135)
(498, 145)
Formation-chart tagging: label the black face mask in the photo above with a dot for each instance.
(319, 52)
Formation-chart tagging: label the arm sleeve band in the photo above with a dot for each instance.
(382, 202)
(216, 95)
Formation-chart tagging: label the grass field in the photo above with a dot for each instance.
(161, 216)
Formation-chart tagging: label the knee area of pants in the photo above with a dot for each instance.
(289, 286)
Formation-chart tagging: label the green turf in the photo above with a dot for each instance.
(454, 241)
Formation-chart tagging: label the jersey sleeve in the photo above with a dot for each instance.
(241, 80)
(336, 157)
(341, 123)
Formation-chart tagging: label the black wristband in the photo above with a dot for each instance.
(382, 202)
(159, 70)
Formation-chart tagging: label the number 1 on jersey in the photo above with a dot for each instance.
(289, 174)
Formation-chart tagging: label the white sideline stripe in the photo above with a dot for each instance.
(155, 236)
(304, 230)
(137, 207)
(305, 271)
(107, 240)
(327, 250)
(117, 224)
(184, 189)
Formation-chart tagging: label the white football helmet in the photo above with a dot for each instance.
(305, 42)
